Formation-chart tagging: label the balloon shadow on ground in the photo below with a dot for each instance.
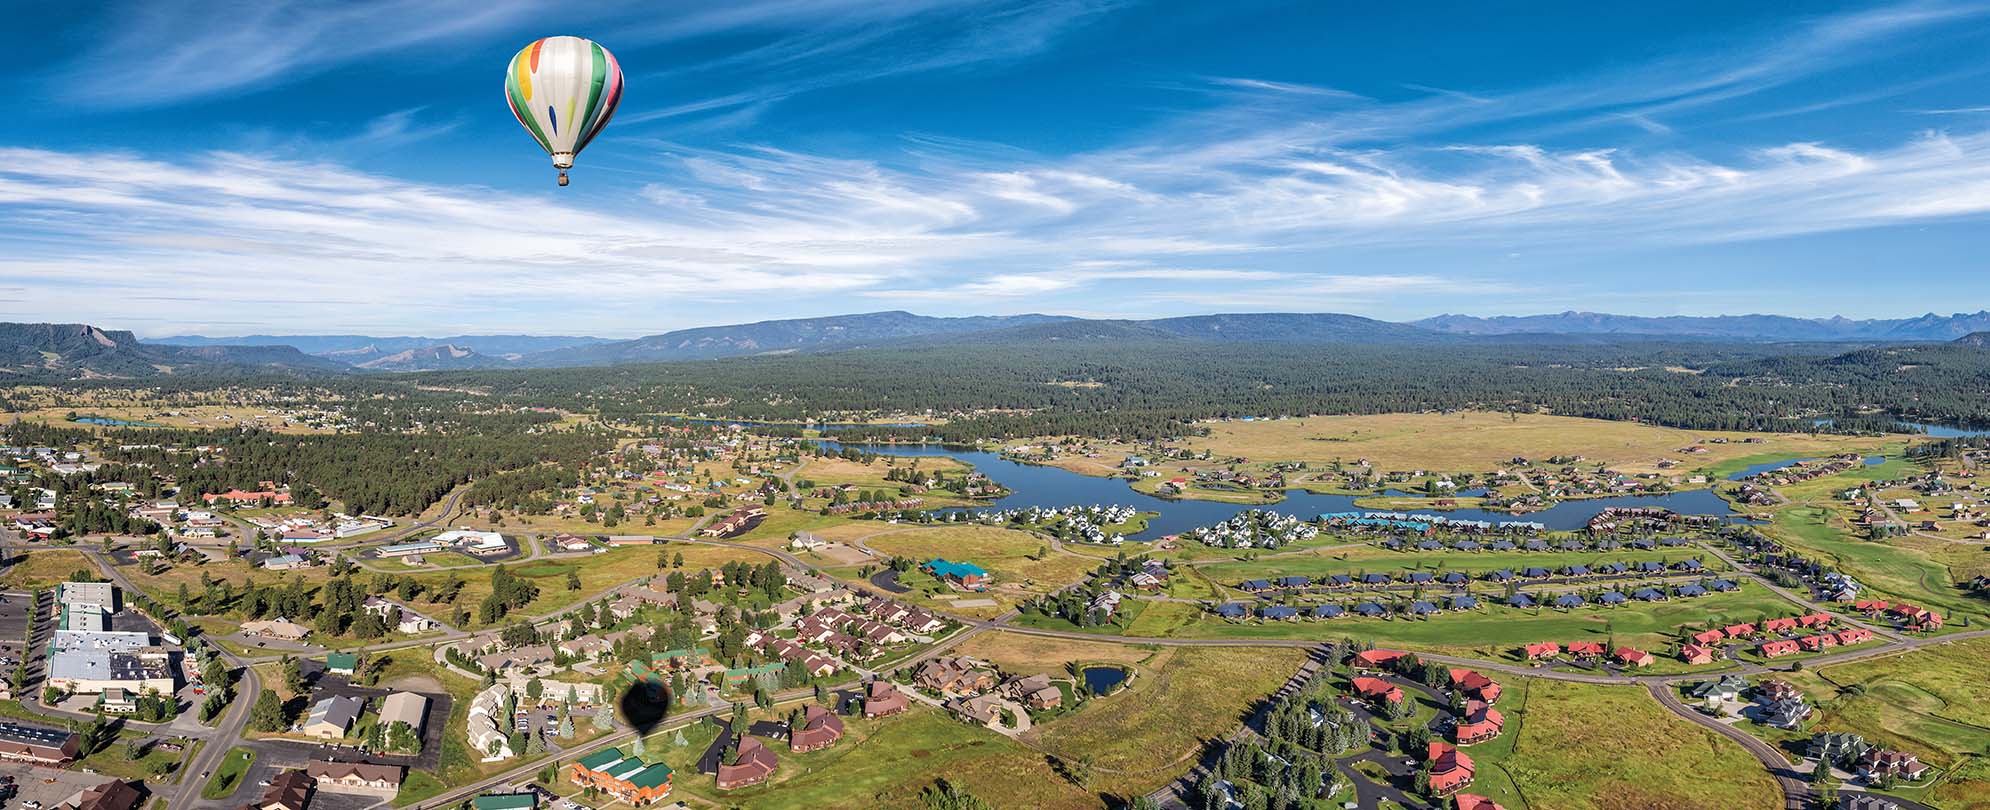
(644, 706)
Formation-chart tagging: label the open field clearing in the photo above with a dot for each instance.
(43, 568)
(1005, 553)
(1150, 732)
(1018, 654)
(881, 764)
(1903, 568)
(1584, 747)
(1477, 442)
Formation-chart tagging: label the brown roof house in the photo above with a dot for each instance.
(1035, 691)
(356, 777)
(290, 790)
(881, 699)
(819, 729)
(112, 795)
(750, 764)
(957, 675)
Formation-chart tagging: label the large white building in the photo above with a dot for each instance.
(93, 661)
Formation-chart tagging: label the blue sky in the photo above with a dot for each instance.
(314, 167)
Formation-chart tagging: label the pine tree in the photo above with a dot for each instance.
(267, 714)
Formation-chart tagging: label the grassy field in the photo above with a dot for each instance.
(882, 765)
(1018, 654)
(1585, 747)
(43, 568)
(1148, 733)
(1904, 568)
(1477, 442)
(228, 774)
(1942, 683)
(1005, 553)
(598, 572)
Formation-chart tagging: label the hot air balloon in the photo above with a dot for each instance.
(563, 90)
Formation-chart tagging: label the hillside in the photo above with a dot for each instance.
(70, 350)
(1731, 327)
(765, 337)
(358, 348)
(430, 358)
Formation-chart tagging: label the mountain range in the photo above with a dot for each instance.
(78, 350)
(1769, 328)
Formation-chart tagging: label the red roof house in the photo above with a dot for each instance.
(1709, 637)
(1631, 657)
(1377, 659)
(1479, 723)
(1855, 635)
(1474, 685)
(1778, 649)
(1471, 801)
(1373, 689)
(1450, 769)
(1696, 654)
(1542, 649)
(1739, 630)
(1584, 649)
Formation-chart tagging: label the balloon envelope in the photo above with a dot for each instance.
(563, 90)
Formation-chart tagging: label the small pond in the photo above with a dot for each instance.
(1102, 680)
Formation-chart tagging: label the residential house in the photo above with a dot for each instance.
(754, 764)
(1376, 659)
(1474, 685)
(1479, 723)
(881, 699)
(1377, 691)
(1450, 768)
(289, 790)
(1632, 657)
(819, 729)
(1877, 763)
(1035, 691)
(1778, 648)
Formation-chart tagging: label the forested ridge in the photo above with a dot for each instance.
(1142, 389)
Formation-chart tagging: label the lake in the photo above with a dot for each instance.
(1035, 485)
(106, 421)
(823, 426)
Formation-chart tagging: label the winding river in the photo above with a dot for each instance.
(1033, 485)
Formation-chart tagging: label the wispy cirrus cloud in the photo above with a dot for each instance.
(169, 51)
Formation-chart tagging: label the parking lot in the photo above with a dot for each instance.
(48, 786)
(270, 762)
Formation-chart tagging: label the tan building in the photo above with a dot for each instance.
(356, 777)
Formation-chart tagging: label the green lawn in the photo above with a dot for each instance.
(881, 765)
(228, 775)
(1887, 569)
(1586, 747)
